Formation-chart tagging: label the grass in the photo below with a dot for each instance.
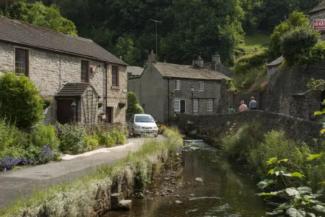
(79, 194)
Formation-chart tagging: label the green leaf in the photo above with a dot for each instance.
(297, 175)
(313, 157)
(292, 191)
(293, 212)
(305, 190)
(265, 183)
(319, 208)
(269, 194)
(272, 161)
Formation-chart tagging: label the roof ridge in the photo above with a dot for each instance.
(22, 22)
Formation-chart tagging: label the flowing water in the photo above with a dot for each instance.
(208, 187)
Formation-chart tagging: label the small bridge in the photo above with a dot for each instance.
(296, 128)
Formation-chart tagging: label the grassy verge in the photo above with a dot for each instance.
(87, 195)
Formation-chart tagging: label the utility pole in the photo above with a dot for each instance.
(156, 27)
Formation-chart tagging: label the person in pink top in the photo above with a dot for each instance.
(243, 107)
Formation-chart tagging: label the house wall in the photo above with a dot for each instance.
(212, 90)
(134, 85)
(117, 95)
(50, 71)
(89, 107)
(153, 94)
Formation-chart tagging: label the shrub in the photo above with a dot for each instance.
(276, 145)
(45, 135)
(133, 105)
(297, 43)
(111, 137)
(317, 53)
(246, 138)
(20, 102)
(119, 137)
(11, 137)
(72, 139)
(91, 142)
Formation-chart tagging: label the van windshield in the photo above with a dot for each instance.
(144, 119)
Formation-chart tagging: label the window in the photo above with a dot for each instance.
(201, 86)
(195, 105)
(183, 106)
(84, 71)
(177, 105)
(21, 61)
(178, 85)
(115, 76)
(210, 105)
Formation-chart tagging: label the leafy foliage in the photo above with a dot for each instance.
(72, 139)
(43, 135)
(295, 20)
(133, 105)
(296, 45)
(20, 102)
(39, 14)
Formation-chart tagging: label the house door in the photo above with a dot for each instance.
(66, 111)
(183, 106)
(109, 115)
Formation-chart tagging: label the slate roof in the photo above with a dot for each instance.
(29, 35)
(318, 8)
(74, 90)
(276, 62)
(134, 70)
(169, 70)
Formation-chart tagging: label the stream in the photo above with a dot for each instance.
(208, 186)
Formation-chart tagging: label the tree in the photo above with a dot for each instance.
(20, 101)
(297, 44)
(295, 20)
(39, 14)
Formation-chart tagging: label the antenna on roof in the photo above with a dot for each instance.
(156, 27)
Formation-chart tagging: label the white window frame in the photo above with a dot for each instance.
(210, 104)
(177, 105)
(195, 105)
(201, 86)
(177, 84)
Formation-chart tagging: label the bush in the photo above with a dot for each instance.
(238, 145)
(317, 53)
(119, 137)
(20, 102)
(12, 139)
(133, 105)
(276, 145)
(45, 135)
(296, 44)
(111, 137)
(72, 139)
(91, 142)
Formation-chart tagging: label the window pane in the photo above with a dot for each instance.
(84, 71)
(177, 106)
(178, 85)
(195, 105)
(115, 76)
(201, 88)
(21, 61)
(210, 105)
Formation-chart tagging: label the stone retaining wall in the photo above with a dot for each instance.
(205, 126)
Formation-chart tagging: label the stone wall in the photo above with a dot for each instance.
(288, 93)
(205, 126)
(117, 96)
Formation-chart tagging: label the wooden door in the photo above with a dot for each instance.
(183, 106)
(65, 111)
(109, 115)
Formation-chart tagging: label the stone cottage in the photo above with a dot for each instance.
(81, 81)
(165, 89)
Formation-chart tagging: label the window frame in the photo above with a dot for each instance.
(177, 105)
(195, 106)
(116, 80)
(201, 86)
(25, 70)
(210, 105)
(86, 78)
(177, 84)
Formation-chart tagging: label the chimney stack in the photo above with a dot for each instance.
(198, 63)
(152, 57)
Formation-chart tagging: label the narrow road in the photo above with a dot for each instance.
(21, 183)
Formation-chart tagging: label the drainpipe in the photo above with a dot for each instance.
(105, 88)
(168, 103)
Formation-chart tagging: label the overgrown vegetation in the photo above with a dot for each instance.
(134, 106)
(290, 173)
(78, 197)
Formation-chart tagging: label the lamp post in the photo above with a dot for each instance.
(156, 28)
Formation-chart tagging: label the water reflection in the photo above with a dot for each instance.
(208, 188)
